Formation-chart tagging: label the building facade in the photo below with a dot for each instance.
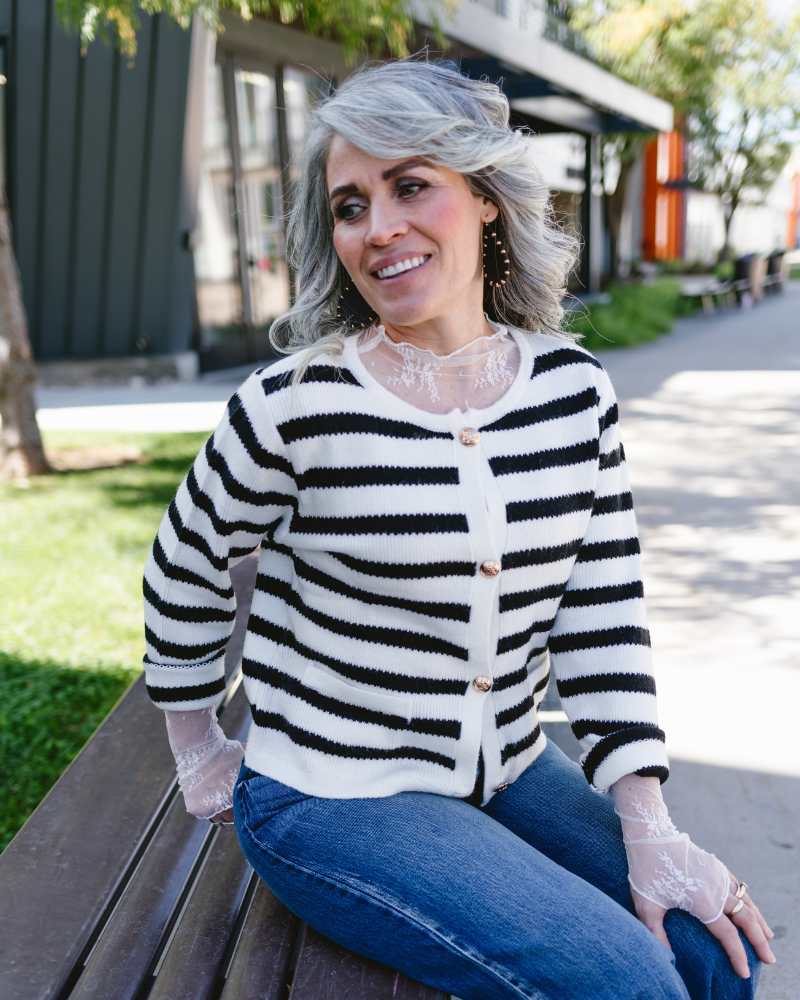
(148, 200)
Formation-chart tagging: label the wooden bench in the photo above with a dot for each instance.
(112, 890)
(707, 288)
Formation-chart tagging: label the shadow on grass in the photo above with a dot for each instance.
(47, 713)
(152, 482)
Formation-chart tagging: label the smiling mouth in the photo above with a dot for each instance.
(402, 265)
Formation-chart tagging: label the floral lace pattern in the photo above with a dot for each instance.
(656, 819)
(673, 885)
(664, 865)
(474, 376)
(207, 762)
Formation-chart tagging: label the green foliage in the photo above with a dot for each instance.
(72, 548)
(47, 713)
(368, 27)
(731, 70)
(636, 314)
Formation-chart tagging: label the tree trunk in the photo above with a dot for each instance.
(726, 246)
(21, 449)
(614, 208)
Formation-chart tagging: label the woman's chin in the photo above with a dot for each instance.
(406, 316)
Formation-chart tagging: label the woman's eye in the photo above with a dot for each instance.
(348, 210)
(408, 189)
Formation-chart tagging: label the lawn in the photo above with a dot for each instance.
(636, 314)
(72, 548)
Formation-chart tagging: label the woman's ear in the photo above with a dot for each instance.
(490, 210)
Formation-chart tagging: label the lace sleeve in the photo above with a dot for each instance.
(664, 865)
(207, 762)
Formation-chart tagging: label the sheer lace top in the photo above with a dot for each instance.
(473, 377)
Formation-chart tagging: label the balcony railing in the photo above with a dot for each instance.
(548, 18)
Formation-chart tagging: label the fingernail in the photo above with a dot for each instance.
(772, 959)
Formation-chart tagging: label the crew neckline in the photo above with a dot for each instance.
(352, 359)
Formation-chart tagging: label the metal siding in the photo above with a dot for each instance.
(87, 271)
(160, 237)
(27, 82)
(128, 139)
(58, 163)
(94, 184)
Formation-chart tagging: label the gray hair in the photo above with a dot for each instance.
(413, 108)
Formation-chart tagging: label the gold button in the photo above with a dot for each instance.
(468, 437)
(482, 684)
(501, 788)
(490, 568)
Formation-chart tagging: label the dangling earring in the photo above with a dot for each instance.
(352, 308)
(496, 264)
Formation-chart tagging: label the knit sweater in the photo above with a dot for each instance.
(420, 576)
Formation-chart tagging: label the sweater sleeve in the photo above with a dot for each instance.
(600, 644)
(239, 487)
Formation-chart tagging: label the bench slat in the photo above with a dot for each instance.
(260, 964)
(60, 869)
(326, 971)
(122, 958)
(124, 953)
(192, 962)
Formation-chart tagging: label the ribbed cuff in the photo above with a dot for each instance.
(625, 752)
(186, 688)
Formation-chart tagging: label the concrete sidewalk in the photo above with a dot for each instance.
(174, 407)
(710, 418)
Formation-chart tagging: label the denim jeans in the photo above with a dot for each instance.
(527, 897)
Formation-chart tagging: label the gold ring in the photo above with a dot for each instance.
(741, 889)
(736, 908)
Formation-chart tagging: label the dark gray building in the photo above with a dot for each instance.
(147, 199)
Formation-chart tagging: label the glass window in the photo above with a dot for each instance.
(215, 246)
(235, 311)
(261, 219)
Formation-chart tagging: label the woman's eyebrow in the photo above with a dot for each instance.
(342, 189)
(387, 175)
(398, 168)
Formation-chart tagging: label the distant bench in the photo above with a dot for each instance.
(753, 275)
(112, 890)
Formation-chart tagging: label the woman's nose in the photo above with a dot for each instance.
(386, 222)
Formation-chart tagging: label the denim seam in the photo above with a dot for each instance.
(458, 949)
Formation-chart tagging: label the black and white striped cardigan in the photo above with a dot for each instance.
(380, 657)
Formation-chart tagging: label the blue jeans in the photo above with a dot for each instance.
(525, 898)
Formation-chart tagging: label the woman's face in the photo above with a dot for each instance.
(408, 232)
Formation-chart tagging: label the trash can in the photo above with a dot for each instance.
(776, 271)
(750, 268)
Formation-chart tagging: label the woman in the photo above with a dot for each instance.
(436, 481)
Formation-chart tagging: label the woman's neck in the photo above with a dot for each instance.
(444, 334)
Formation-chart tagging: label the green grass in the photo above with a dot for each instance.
(636, 314)
(72, 548)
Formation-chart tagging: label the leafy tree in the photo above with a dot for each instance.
(729, 69)
(370, 27)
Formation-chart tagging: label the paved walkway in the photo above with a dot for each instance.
(711, 424)
(710, 418)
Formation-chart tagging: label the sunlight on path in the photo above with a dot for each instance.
(714, 458)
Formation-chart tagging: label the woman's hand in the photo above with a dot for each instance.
(667, 870)
(724, 929)
(207, 763)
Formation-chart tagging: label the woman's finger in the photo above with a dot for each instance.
(725, 932)
(747, 920)
(652, 916)
(762, 922)
(223, 817)
(749, 902)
